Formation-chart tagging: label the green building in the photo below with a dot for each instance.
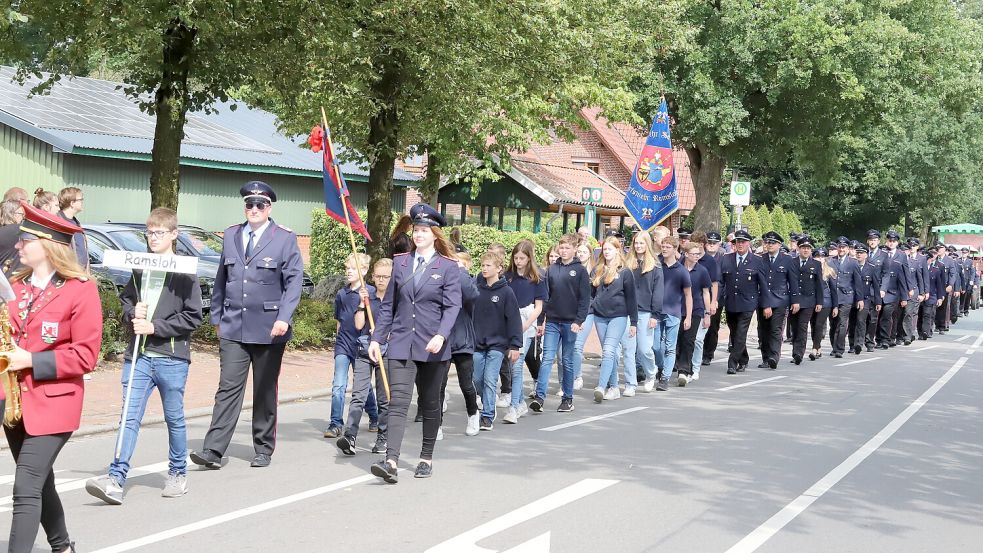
(87, 133)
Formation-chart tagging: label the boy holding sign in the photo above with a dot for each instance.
(164, 308)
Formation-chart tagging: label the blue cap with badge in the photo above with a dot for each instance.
(424, 214)
(257, 190)
(713, 237)
(893, 235)
(772, 236)
(742, 235)
(873, 233)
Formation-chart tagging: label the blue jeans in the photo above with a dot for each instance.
(169, 375)
(517, 373)
(665, 344)
(342, 363)
(639, 347)
(487, 364)
(701, 334)
(556, 336)
(578, 346)
(610, 331)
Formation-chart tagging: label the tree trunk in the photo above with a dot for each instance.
(430, 189)
(707, 170)
(171, 107)
(383, 134)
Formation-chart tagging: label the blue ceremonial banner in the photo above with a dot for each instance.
(652, 194)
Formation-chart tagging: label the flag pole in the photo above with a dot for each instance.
(351, 238)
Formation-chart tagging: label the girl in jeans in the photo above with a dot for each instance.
(586, 257)
(615, 310)
(529, 287)
(647, 271)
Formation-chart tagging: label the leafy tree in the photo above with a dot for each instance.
(779, 221)
(466, 82)
(764, 219)
(175, 56)
(751, 221)
(758, 83)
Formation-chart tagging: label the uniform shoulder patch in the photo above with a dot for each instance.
(401, 254)
(288, 229)
(447, 258)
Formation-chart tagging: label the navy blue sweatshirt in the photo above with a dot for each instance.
(649, 289)
(462, 335)
(570, 291)
(497, 323)
(618, 298)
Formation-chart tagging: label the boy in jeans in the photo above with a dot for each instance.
(364, 368)
(346, 303)
(163, 309)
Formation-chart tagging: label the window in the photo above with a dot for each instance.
(205, 243)
(593, 165)
(96, 245)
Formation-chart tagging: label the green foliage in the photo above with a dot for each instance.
(779, 222)
(751, 221)
(330, 244)
(764, 219)
(313, 326)
(113, 336)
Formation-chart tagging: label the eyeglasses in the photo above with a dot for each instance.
(694, 254)
(257, 205)
(157, 233)
(79, 200)
(377, 277)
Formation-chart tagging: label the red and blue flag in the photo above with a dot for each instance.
(335, 188)
(652, 194)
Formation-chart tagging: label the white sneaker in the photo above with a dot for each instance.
(479, 402)
(440, 433)
(629, 391)
(175, 486)
(649, 384)
(559, 393)
(444, 408)
(472, 428)
(695, 377)
(682, 380)
(578, 383)
(612, 393)
(523, 409)
(504, 400)
(598, 394)
(512, 416)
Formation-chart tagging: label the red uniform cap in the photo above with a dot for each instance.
(42, 224)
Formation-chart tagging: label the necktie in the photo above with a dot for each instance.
(418, 273)
(740, 261)
(250, 244)
(802, 264)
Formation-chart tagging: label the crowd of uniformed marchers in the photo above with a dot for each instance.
(655, 303)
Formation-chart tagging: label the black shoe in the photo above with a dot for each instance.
(537, 404)
(812, 357)
(380, 444)
(333, 432)
(206, 459)
(418, 417)
(566, 406)
(346, 444)
(870, 349)
(764, 365)
(907, 342)
(663, 385)
(923, 337)
(706, 362)
(386, 471)
(797, 359)
(423, 470)
(731, 370)
(485, 425)
(261, 460)
(881, 346)
(741, 368)
(838, 356)
(857, 350)
(891, 345)
(772, 364)
(373, 427)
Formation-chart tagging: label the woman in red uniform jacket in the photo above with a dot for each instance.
(56, 317)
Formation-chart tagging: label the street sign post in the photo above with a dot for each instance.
(740, 196)
(590, 196)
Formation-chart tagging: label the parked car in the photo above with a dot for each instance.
(110, 236)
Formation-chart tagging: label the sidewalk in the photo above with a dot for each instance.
(303, 375)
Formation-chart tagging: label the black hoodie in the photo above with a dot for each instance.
(496, 319)
(570, 293)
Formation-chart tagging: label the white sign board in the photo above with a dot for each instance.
(740, 193)
(120, 259)
(591, 195)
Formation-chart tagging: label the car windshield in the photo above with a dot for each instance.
(131, 240)
(205, 243)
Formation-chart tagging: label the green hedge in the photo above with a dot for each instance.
(113, 338)
(313, 326)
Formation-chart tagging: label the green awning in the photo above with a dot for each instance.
(963, 228)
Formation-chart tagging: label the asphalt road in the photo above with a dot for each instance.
(877, 452)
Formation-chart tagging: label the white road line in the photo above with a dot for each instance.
(787, 514)
(590, 419)
(467, 542)
(228, 517)
(858, 361)
(753, 382)
(79, 483)
(961, 338)
(972, 349)
(925, 348)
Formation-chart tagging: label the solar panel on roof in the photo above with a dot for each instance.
(93, 106)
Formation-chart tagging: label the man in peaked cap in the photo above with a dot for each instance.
(952, 281)
(849, 294)
(810, 297)
(918, 279)
(895, 291)
(257, 289)
(743, 291)
(710, 341)
(782, 279)
(966, 273)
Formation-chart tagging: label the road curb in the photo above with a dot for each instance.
(199, 412)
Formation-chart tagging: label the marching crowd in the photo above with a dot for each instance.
(655, 302)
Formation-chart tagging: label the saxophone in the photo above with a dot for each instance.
(13, 412)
